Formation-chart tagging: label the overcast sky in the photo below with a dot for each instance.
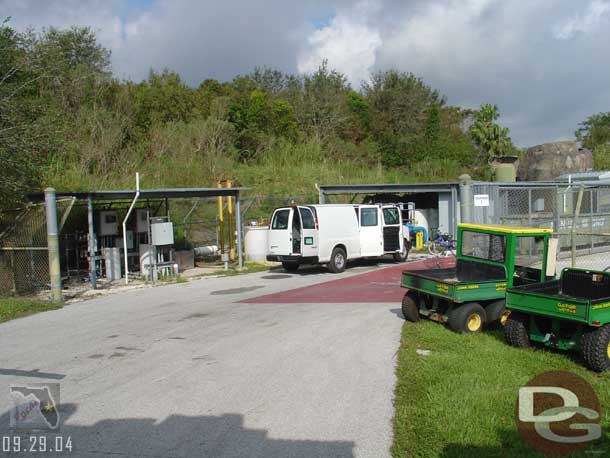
(545, 63)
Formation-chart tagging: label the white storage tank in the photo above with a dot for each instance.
(256, 243)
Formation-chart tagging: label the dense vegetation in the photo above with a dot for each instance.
(594, 133)
(66, 122)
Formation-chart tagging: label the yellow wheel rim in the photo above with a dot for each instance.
(608, 350)
(504, 318)
(474, 322)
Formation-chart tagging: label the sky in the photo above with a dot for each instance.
(545, 63)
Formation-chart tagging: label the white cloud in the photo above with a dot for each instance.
(583, 22)
(514, 53)
(347, 42)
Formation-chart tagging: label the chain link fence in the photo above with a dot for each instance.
(579, 216)
(24, 264)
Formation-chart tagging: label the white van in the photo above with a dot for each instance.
(333, 234)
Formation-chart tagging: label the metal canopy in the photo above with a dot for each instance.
(172, 193)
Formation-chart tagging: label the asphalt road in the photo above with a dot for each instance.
(187, 370)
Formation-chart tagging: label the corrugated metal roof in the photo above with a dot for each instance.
(171, 193)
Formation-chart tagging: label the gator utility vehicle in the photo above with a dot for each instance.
(489, 259)
(572, 313)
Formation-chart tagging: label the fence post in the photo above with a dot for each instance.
(91, 243)
(466, 198)
(581, 191)
(53, 244)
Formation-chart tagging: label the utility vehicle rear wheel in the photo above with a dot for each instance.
(595, 348)
(290, 266)
(467, 318)
(494, 312)
(338, 261)
(516, 330)
(409, 307)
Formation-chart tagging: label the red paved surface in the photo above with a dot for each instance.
(382, 285)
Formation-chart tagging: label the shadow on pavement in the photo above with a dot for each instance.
(179, 436)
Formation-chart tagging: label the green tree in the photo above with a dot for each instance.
(491, 138)
(161, 99)
(322, 110)
(594, 131)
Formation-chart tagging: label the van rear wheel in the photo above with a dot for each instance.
(404, 254)
(290, 266)
(338, 261)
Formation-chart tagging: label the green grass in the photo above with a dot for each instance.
(12, 307)
(459, 400)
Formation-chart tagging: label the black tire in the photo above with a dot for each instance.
(494, 312)
(290, 266)
(409, 307)
(338, 261)
(516, 330)
(402, 256)
(467, 318)
(595, 348)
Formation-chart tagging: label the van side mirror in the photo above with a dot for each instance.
(551, 258)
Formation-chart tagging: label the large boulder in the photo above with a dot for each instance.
(548, 161)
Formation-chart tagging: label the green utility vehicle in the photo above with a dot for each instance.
(489, 259)
(572, 313)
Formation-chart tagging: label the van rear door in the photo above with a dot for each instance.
(392, 225)
(371, 240)
(280, 234)
(309, 232)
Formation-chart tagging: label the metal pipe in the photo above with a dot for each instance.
(239, 228)
(466, 199)
(231, 225)
(91, 243)
(135, 199)
(53, 244)
(221, 232)
(581, 191)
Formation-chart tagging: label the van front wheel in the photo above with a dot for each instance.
(338, 261)
(290, 266)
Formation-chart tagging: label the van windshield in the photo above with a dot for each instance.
(280, 219)
(390, 216)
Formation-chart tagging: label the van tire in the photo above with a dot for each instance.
(467, 318)
(402, 256)
(595, 345)
(338, 261)
(290, 266)
(409, 307)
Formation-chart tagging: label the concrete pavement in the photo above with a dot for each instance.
(187, 370)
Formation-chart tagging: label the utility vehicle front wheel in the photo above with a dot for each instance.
(516, 330)
(467, 318)
(595, 348)
(409, 307)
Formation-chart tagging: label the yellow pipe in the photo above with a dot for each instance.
(221, 227)
(230, 222)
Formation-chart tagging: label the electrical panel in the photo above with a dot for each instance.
(162, 233)
(109, 223)
(142, 220)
